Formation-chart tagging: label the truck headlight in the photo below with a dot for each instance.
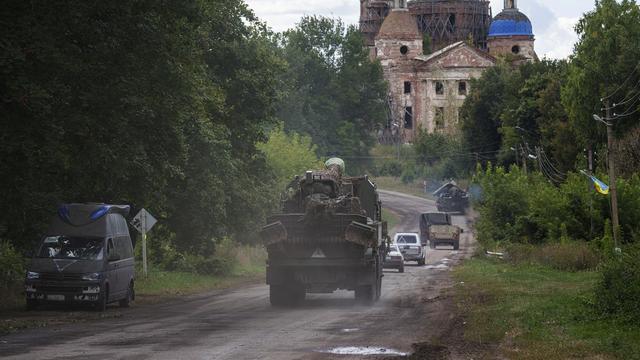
(92, 277)
(32, 275)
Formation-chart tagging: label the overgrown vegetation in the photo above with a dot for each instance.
(335, 94)
(180, 109)
(536, 312)
(535, 122)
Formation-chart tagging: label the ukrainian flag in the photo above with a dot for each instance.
(601, 187)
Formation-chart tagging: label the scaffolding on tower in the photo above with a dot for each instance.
(444, 21)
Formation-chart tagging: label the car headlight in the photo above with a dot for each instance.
(31, 275)
(92, 277)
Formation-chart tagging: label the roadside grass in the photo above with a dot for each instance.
(249, 265)
(395, 184)
(391, 218)
(158, 286)
(536, 312)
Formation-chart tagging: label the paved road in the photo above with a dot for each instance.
(240, 324)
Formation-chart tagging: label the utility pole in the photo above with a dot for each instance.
(590, 158)
(612, 176)
(524, 161)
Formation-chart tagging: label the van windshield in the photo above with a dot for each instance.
(407, 239)
(64, 247)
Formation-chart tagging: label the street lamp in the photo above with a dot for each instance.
(597, 117)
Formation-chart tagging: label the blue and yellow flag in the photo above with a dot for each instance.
(601, 187)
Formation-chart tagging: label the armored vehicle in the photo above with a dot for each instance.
(428, 219)
(436, 228)
(329, 235)
(451, 198)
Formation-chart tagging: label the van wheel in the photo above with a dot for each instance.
(31, 304)
(101, 305)
(127, 300)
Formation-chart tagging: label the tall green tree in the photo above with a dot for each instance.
(153, 103)
(604, 69)
(335, 93)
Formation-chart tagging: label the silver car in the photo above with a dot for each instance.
(394, 259)
(410, 247)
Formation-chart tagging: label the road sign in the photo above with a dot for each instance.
(143, 221)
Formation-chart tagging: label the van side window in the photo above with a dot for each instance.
(111, 250)
(123, 246)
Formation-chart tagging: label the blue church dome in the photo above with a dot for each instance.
(510, 22)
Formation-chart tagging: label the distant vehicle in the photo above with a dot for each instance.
(394, 258)
(86, 256)
(428, 219)
(445, 234)
(451, 198)
(410, 247)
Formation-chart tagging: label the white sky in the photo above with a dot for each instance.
(553, 20)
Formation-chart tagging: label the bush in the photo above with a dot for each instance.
(391, 168)
(618, 291)
(528, 209)
(12, 266)
(573, 256)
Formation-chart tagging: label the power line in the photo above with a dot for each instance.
(623, 84)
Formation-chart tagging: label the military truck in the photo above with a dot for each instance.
(451, 198)
(436, 228)
(329, 235)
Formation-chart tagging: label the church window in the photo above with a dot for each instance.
(439, 88)
(407, 87)
(439, 118)
(404, 49)
(515, 49)
(408, 117)
(462, 88)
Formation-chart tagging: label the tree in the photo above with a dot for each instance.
(288, 155)
(604, 67)
(480, 115)
(159, 105)
(335, 93)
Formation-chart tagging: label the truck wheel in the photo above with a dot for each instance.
(297, 294)
(31, 304)
(277, 295)
(364, 294)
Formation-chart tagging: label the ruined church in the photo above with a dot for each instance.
(427, 86)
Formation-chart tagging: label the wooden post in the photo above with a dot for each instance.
(612, 177)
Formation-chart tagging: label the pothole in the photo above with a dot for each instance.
(349, 330)
(363, 350)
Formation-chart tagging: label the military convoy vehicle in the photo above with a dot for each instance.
(436, 229)
(329, 235)
(451, 198)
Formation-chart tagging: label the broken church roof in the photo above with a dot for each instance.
(399, 25)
